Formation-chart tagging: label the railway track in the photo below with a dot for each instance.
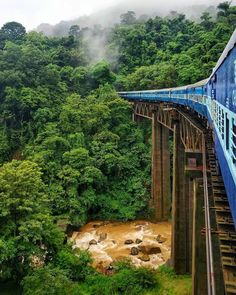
(209, 254)
(224, 222)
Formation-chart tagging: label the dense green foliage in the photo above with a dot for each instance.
(172, 51)
(125, 280)
(68, 146)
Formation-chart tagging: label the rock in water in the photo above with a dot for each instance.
(93, 242)
(138, 241)
(149, 249)
(128, 242)
(144, 258)
(134, 251)
(161, 239)
(102, 237)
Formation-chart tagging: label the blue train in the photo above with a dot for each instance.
(215, 99)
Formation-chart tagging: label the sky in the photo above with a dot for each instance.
(33, 12)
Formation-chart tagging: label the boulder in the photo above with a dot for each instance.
(106, 222)
(140, 223)
(128, 242)
(144, 258)
(101, 267)
(134, 251)
(96, 225)
(102, 237)
(93, 242)
(149, 249)
(138, 241)
(161, 239)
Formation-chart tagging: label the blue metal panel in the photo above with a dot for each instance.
(229, 183)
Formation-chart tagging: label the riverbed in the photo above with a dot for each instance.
(143, 242)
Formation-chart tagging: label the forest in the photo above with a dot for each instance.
(69, 149)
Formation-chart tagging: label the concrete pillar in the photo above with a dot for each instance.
(160, 170)
(199, 275)
(189, 194)
(180, 209)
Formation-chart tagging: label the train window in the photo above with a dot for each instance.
(214, 78)
(218, 117)
(227, 132)
(234, 142)
(222, 124)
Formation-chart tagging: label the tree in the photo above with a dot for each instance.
(128, 18)
(206, 21)
(74, 31)
(24, 218)
(223, 9)
(77, 264)
(101, 74)
(48, 280)
(13, 31)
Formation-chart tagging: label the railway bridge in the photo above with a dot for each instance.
(200, 194)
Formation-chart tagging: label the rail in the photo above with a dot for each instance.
(209, 255)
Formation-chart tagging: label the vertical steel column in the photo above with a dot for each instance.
(179, 247)
(160, 170)
(199, 273)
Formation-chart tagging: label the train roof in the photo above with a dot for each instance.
(197, 84)
(225, 53)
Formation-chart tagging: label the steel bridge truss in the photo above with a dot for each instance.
(168, 115)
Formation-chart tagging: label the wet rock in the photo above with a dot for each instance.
(149, 249)
(96, 225)
(160, 239)
(140, 222)
(93, 242)
(138, 228)
(101, 267)
(109, 268)
(114, 242)
(106, 222)
(134, 251)
(144, 258)
(138, 241)
(102, 237)
(128, 242)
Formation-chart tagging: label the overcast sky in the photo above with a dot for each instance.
(33, 12)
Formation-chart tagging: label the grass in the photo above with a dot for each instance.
(171, 284)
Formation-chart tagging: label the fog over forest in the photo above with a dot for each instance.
(150, 8)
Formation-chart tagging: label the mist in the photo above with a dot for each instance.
(110, 15)
(102, 20)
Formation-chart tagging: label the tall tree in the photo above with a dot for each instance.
(128, 18)
(13, 31)
(25, 223)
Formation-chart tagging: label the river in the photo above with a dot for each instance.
(107, 242)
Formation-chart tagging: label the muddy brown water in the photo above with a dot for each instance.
(113, 247)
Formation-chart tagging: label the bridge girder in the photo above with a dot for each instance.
(168, 114)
